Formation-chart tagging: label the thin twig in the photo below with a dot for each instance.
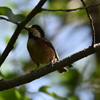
(11, 21)
(8, 20)
(69, 10)
(91, 23)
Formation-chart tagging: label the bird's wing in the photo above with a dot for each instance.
(50, 44)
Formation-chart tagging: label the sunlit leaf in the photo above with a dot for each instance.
(57, 4)
(44, 89)
(7, 38)
(81, 13)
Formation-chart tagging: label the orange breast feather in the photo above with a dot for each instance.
(40, 52)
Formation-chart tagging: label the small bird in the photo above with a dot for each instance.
(40, 49)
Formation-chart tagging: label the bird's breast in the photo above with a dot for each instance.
(40, 52)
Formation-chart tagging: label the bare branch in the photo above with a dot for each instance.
(91, 23)
(8, 20)
(70, 10)
(7, 84)
(11, 22)
(64, 10)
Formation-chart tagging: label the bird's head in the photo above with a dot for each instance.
(35, 31)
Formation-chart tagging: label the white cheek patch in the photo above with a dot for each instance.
(35, 32)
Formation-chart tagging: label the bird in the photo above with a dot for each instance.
(40, 49)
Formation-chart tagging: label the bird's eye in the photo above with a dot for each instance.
(36, 27)
(33, 26)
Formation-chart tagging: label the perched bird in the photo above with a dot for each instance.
(40, 49)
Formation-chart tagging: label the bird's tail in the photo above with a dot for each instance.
(62, 70)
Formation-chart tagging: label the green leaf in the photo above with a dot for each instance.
(57, 4)
(73, 97)
(18, 17)
(12, 94)
(44, 89)
(12, 17)
(7, 38)
(54, 95)
(57, 96)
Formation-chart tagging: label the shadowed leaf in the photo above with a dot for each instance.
(13, 17)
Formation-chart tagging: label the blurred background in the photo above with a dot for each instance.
(69, 32)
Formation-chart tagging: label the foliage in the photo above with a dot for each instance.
(13, 94)
(12, 17)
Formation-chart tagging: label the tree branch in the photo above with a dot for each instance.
(20, 26)
(70, 10)
(91, 23)
(7, 84)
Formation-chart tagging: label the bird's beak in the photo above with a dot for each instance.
(29, 28)
(33, 31)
